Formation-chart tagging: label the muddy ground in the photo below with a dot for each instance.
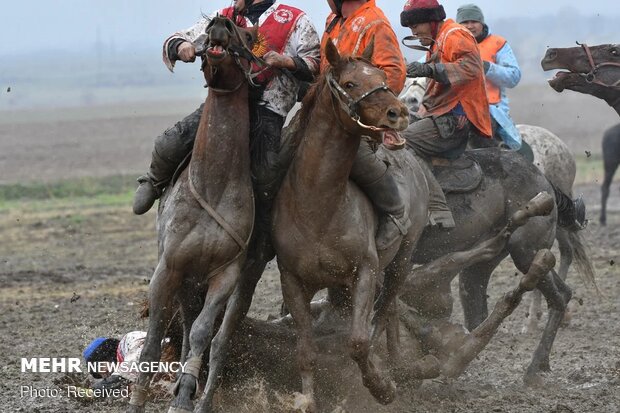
(75, 269)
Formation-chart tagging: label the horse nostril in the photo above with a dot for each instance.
(551, 54)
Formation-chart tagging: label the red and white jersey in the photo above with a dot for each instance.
(298, 39)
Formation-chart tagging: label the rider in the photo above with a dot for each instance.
(501, 70)
(352, 25)
(289, 44)
(455, 102)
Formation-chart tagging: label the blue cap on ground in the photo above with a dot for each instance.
(92, 347)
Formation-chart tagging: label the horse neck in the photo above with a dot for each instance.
(220, 158)
(320, 172)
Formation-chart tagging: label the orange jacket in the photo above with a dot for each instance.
(352, 35)
(488, 51)
(458, 51)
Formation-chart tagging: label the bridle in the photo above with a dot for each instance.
(350, 105)
(236, 51)
(590, 77)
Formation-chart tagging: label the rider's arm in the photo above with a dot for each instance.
(171, 44)
(461, 61)
(387, 55)
(305, 49)
(506, 72)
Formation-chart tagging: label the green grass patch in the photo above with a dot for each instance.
(589, 169)
(70, 188)
(112, 190)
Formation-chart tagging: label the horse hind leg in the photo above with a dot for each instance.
(381, 387)
(557, 295)
(610, 170)
(162, 290)
(220, 288)
(477, 340)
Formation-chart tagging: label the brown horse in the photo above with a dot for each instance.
(205, 219)
(591, 70)
(324, 226)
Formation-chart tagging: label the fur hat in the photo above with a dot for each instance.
(421, 11)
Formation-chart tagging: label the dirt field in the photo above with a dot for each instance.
(76, 268)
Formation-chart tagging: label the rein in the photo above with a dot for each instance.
(590, 77)
(350, 105)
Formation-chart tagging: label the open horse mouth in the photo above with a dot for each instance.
(216, 52)
(558, 83)
(392, 140)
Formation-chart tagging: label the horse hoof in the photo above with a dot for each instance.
(533, 380)
(385, 392)
(180, 409)
(304, 403)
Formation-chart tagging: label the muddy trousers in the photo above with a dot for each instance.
(176, 143)
(444, 137)
(373, 176)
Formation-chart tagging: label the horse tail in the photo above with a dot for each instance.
(585, 267)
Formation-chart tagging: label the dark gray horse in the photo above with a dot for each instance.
(509, 182)
(611, 160)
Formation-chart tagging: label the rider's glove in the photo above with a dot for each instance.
(417, 69)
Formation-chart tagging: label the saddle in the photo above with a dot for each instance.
(458, 176)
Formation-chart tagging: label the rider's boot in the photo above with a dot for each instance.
(170, 149)
(571, 212)
(393, 222)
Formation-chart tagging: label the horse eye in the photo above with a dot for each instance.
(349, 85)
(614, 52)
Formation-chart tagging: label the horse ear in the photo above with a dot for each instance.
(369, 50)
(332, 54)
(250, 36)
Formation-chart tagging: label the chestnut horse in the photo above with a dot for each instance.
(205, 219)
(324, 226)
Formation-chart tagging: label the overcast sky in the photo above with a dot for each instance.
(35, 25)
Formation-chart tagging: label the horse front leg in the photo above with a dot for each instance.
(297, 300)
(162, 290)
(477, 340)
(381, 387)
(220, 288)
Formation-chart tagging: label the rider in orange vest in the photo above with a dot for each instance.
(455, 102)
(351, 26)
(501, 71)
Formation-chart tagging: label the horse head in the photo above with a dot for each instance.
(226, 51)
(593, 70)
(363, 102)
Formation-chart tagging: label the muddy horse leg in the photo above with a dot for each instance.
(477, 340)
(473, 282)
(382, 388)
(610, 169)
(259, 254)
(220, 288)
(297, 301)
(191, 304)
(162, 290)
(558, 295)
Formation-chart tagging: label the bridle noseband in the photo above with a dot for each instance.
(590, 77)
(350, 105)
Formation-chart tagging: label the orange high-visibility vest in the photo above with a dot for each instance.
(352, 35)
(488, 51)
